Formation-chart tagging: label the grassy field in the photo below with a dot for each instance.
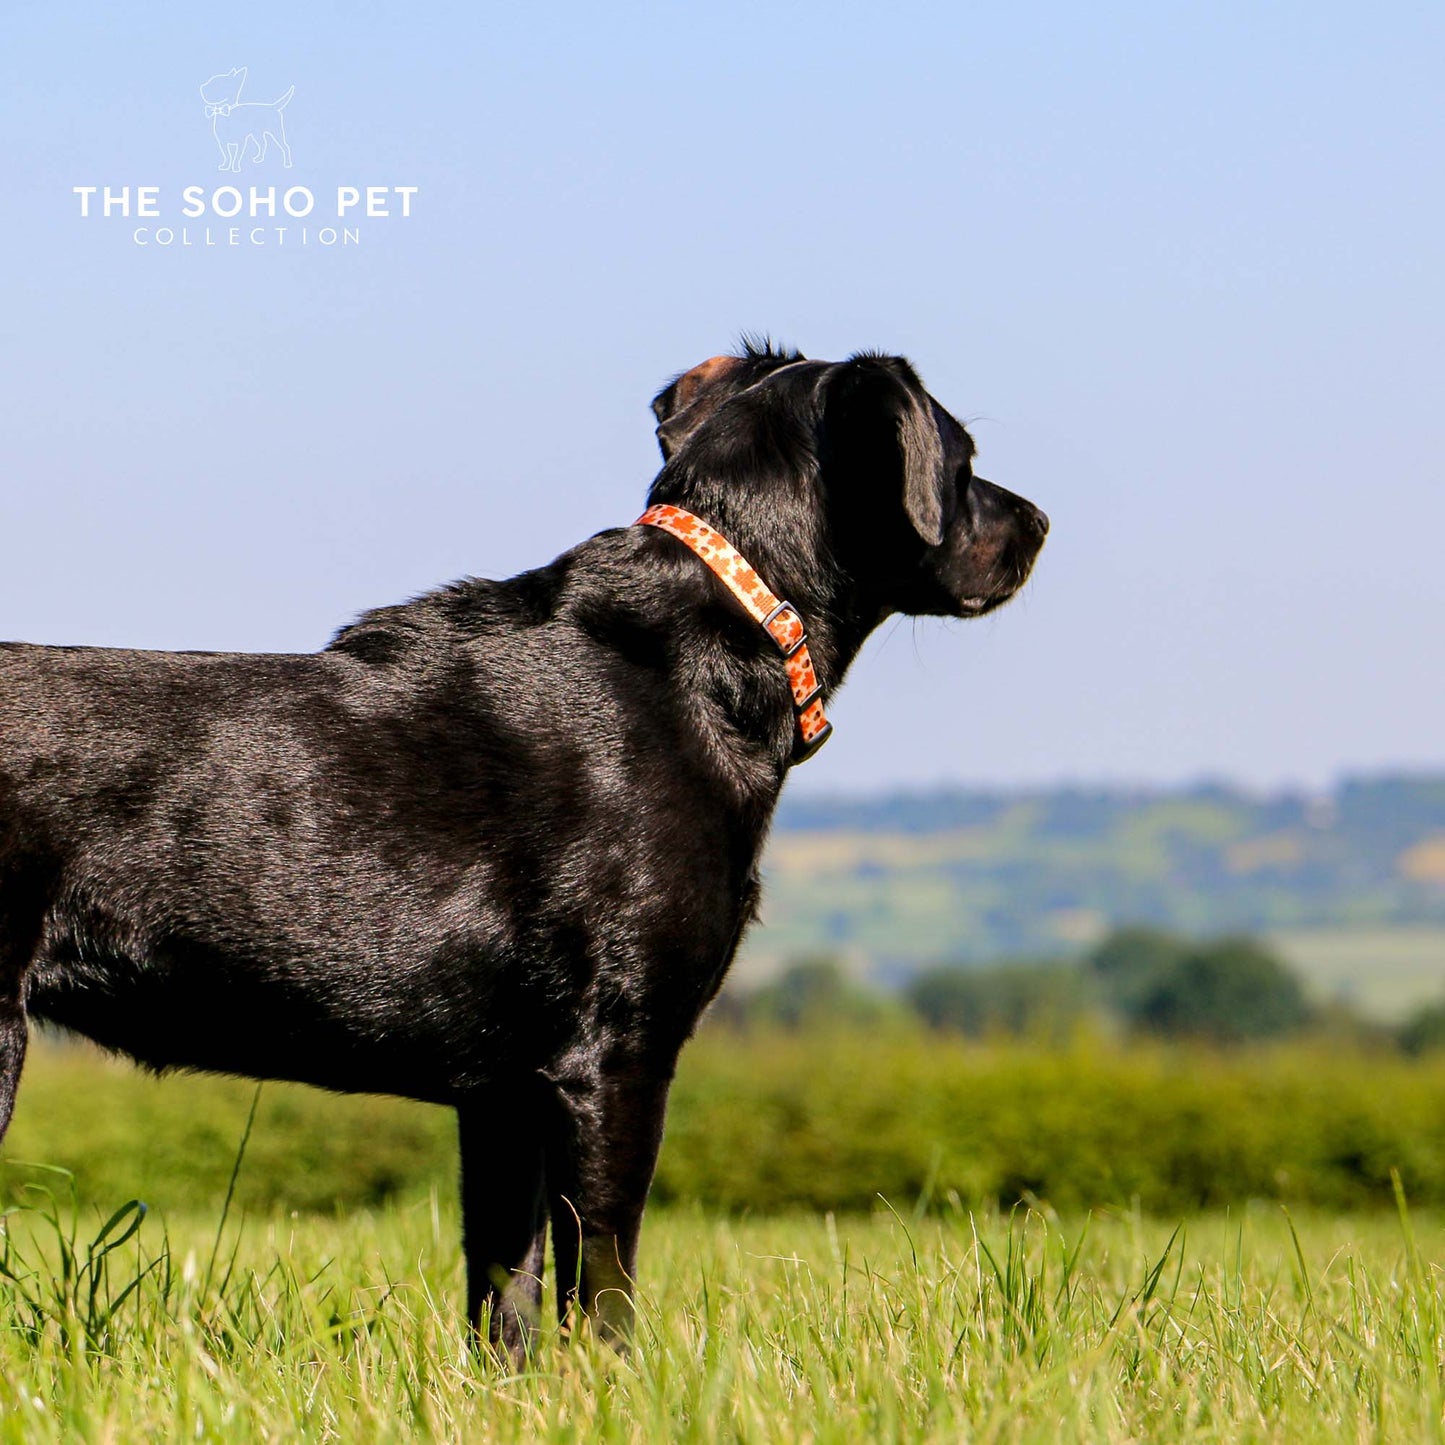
(326, 1309)
(1013, 1328)
(1383, 972)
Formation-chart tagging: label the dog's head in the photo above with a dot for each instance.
(858, 468)
(221, 89)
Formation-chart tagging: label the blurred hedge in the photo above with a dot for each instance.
(834, 1123)
(173, 1141)
(768, 1121)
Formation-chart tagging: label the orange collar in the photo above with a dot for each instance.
(780, 620)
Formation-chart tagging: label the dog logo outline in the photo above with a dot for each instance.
(243, 129)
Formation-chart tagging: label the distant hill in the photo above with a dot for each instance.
(897, 881)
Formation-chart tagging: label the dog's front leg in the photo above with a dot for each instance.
(601, 1153)
(14, 1031)
(19, 933)
(504, 1224)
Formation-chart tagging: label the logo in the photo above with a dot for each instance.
(326, 213)
(245, 128)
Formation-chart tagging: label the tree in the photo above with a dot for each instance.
(811, 993)
(1011, 998)
(1132, 962)
(1227, 992)
(1424, 1031)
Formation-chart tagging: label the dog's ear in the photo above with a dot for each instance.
(922, 467)
(877, 406)
(680, 406)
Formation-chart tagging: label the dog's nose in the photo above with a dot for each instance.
(1039, 522)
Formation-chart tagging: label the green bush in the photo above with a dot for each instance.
(774, 1120)
(832, 1123)
(812, 993)
(1423, 1032)
(173, 1141)
(1039, 1001)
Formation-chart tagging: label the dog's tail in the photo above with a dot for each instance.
(285, 99)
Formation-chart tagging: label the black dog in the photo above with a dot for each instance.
(494, 848)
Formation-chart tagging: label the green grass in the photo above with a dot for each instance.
(334, 1316)
(798, 1328)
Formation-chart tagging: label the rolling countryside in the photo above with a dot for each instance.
(1349, 885)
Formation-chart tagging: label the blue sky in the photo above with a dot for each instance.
(1180, 267)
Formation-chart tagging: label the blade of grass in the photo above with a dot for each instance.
(231, 1189)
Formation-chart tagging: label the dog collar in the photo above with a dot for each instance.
(780, 620)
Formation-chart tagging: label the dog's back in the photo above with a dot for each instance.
(359, 868)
